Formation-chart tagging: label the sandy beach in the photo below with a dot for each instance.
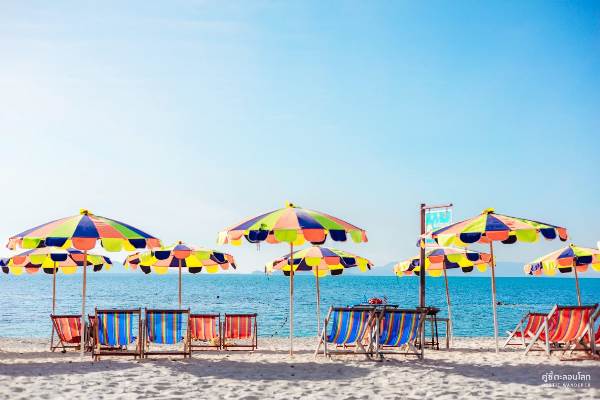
(470, 370)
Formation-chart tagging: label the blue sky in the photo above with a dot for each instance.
(183, 118)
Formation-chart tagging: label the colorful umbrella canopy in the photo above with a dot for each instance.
(321, 261)
(293, 225)
(179, 256)
(440, 259)
(488, 227)
(83, 232)
(572, 258)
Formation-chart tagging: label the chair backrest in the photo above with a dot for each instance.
(166, 326)
(239, 326)
(534, 321)
(204, 326)
(399, 327)
(569, 323)
(116, 327)
(67, 327)
(348, 324)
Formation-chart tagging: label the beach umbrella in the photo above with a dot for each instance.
(295, 226)
(320, 261)
(82, 232)
(440, 259)
(572, 258)
(488, 227)
(51, 260)
(180, 256)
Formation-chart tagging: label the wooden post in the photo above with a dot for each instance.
(577, 284)
(422, 259)
(82, 343)
(318, 302)
(448, 302)
(179, 283)
(53, 303)
(492, 265)
(291, 299)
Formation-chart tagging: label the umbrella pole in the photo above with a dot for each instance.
(291, 299)
(448, 302)
(318, 303)
(53, 302)
(179, 283)
(82, 343)
(577, 285)
(493, 265)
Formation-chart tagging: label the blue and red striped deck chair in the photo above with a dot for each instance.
(68, 332)
(240, 332)
(349, 326)
(167, 327)
(525, 329)
(118, 333)
(565, 327)
(398, 330)
(206, 329)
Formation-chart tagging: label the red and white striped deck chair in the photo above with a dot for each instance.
(564, 327)
(205, 331)
(525, 329)
(240, 332)
(68, 332)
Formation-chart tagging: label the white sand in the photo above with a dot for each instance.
(29, 371)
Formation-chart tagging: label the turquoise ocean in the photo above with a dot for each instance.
(26, 300)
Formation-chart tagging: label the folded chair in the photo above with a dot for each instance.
(115, 333)
(563, 327)
(398, 330)
(525, 329)
(240, 327)
(349, 326)
(167, 327)
(68, 332)
(205, 331)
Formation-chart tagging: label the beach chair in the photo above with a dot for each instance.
(240, 332)
(205, 331)
(525, 329)
(564, 327)
(596, 335)
(166, 327)
(115, 333)
(398, 331)
(350, 331)
(68, 332)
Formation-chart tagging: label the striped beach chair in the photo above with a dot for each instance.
(205, 331)
(525, 329)
(398, 331)
(116, 333)
(350, 331)
(240, 332)
(166, 327)
(564, 327)
(68, 332)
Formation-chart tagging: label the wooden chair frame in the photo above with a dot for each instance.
(101, 350)
(59, 344)
(253, 345)
(412, 350)
(519, 329)
(186, 352)
(357, 346)
(199, 347)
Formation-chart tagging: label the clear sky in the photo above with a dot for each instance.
(183, 118)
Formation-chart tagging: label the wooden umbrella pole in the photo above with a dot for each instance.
(179, 283)
(53, 302)
(448, 302)
(493, 264)
(577, 285)
(291, 299)
(318, 303)
(82, 343)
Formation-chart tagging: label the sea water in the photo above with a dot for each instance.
(26, 301)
